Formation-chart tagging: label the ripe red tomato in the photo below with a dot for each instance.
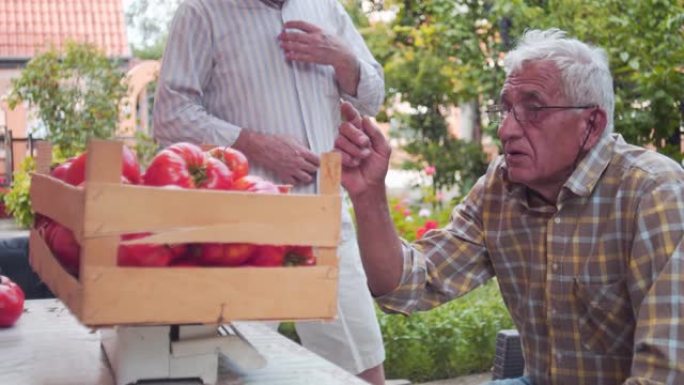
(61, 169)
(255, 184)
(234, 159)
(11, 302)
(300, 256)
(178, 250)
(268, 255)
(75, 173)
(168, 168)
(284, 188)
(64, 246)
(225, 254)
(244, 183)
(40, 223)
(143, 254)
(193, 155)
(186, 165)
(216, 175)
(184, 262)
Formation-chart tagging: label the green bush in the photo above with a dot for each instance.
(17, 200)
(454, 339)
(77, 94)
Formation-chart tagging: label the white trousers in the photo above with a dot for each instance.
(352, 341)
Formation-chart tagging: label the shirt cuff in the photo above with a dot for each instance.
(369, 92)
(222, 133)
(401, 300)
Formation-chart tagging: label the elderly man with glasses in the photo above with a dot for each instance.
(583, 231)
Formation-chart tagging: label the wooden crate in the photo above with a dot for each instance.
(106, 294)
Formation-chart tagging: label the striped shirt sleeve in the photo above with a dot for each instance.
(179, 114)
(370, 91)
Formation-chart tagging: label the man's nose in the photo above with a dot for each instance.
(509, 128)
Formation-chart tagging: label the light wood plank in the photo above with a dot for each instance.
(207, 295)
(331, 171)
(103, 165)
(327, 256)
(287, 362)
(48, 346)
(218, 216)
(60, 201)
(51, 272)
(104, 161)
(43, 157)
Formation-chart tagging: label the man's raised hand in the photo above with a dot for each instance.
(365, 152)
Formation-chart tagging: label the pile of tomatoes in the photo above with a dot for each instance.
(183, 165)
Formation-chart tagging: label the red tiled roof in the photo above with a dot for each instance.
(30, 26)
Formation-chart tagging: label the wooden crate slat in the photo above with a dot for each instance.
(327, 256)
(331, 173)
(60, 282)
(247, 232)
(207, 295)
(58, 200)
(106, 156)
(203, 216)
(100, 251)
(43, 157)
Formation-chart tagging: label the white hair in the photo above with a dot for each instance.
(585, 74)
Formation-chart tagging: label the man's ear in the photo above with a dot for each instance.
(595, 125)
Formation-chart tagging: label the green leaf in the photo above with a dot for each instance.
(624, 56)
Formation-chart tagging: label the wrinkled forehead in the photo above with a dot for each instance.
(538, 80)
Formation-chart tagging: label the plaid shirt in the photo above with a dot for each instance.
(594, 283)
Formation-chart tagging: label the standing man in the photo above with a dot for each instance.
(267, 78)
(584, 232)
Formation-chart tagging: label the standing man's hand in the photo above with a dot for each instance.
(365, 154)
(310, 44)
(292, 162)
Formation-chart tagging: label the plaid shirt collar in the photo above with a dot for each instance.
(583, 179)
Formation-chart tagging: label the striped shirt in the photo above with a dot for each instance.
(223, 71)
(593, 283)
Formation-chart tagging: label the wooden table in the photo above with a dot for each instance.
(48, 346)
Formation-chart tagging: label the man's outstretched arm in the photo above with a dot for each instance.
(365, 160)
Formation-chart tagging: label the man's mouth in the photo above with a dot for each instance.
(514, 153)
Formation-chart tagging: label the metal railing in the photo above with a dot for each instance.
(8, 141)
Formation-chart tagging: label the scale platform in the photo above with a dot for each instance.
(175, 352)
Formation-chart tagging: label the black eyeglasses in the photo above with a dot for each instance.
(525, 113)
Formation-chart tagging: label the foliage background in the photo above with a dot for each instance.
(449, 52)
(442, 53)
(77, 94)
(454, 339)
